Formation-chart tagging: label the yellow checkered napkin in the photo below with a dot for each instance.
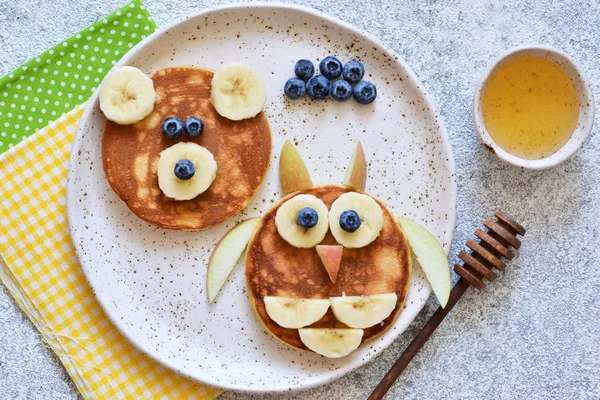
(40, 269)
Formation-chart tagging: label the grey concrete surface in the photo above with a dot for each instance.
(534, 333)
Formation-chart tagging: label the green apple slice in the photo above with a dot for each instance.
(356, 173)
(226, 255)
(293, 174)
(431, 256)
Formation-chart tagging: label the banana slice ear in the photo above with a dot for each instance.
(356, 173)
(293, 174)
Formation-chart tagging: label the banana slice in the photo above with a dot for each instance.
(371, 219)
(204, 164)
(331, 343)
(127, 96)
(295, 313)
(286, 221)
(237, 92)
(363, 311)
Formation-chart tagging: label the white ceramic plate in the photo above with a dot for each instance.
(151, 282)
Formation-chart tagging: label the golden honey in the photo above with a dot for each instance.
(530, 107)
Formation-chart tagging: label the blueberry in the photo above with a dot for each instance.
(353, 71)
(350, 221)
(365, 92)
(172, 127)
(184, 169)
(318, 87)
(330, 67)
(294, 88)
(307, 218)
(304, 69)
(193, 126)
(341, 90)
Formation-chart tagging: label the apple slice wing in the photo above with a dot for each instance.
(293, 174)
(331, 257)
(431, 256)
(226, 255)
(356, 173)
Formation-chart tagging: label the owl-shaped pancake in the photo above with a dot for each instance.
(327, 267)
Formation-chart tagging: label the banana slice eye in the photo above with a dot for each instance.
(302, 221)
(355, 220)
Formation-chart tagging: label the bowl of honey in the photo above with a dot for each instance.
(533, 107)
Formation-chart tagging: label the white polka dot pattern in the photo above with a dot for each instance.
(51, 84)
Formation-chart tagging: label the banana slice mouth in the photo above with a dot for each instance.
(331, 343)
(295, 313)
(205, 167)
(363, 311)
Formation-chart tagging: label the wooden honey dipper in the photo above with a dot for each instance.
(494, 244)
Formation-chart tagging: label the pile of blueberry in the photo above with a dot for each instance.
(172, 127)
(319, 87)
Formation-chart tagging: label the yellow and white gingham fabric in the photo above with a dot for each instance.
(40, 269)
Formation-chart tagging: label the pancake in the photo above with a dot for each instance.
(276, 268)
(242, 150)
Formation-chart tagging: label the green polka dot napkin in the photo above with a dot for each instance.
(48, 86)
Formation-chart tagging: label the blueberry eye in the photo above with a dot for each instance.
(172, 127)
(307, 218)
(350, 221)
(194, 126)
(184, 169)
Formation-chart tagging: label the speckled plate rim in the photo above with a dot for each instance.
(401, 324)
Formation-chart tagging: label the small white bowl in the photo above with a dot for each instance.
(586, 107)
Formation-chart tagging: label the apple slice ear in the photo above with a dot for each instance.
(331, 257)
(356, 173)
(293, 174)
